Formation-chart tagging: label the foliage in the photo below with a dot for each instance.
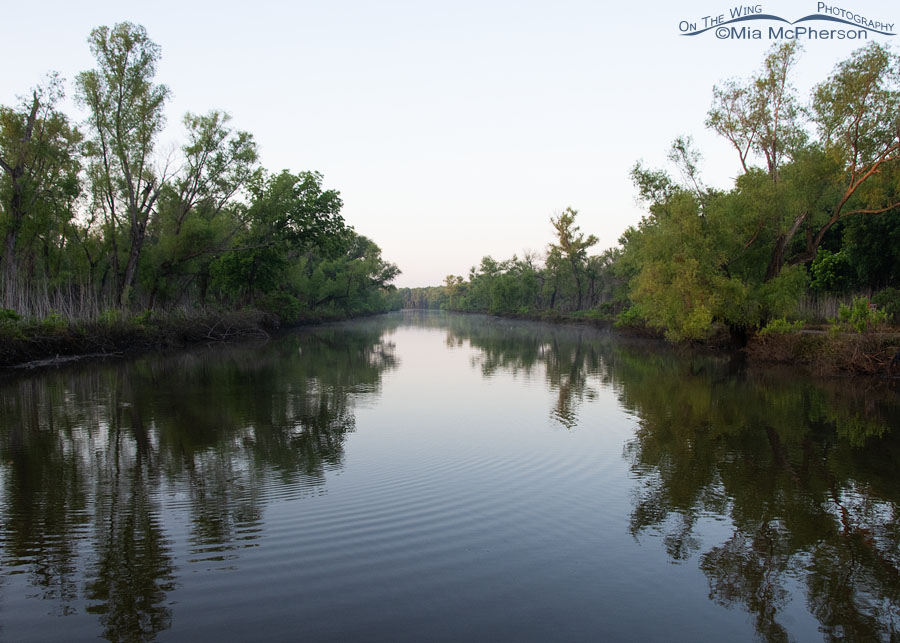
(830, 271)
(781, 326)
(738, 257)
(888, 301)
(53, 323)
(861, 316)
(128, 230)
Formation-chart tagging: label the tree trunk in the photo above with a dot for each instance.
(130, 269)
(781, 245)
(10, 271)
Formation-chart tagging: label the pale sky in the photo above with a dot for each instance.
(452, 130)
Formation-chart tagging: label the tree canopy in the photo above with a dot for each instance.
(102, 221)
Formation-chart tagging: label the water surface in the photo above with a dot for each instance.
(446, 477)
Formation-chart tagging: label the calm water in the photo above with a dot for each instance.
(435, 477)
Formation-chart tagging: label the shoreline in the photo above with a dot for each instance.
(814, 352)
(40, 345)
(50, 343)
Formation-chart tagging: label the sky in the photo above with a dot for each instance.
(452, 130)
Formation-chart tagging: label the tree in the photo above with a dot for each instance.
(570, 251)
(40, 163)
(688, 264)
(849, 170)
(857, 114)
(219, 161)
(761, 116)
(289, 214)
(197, 214)
(126, 116)
(453, 286)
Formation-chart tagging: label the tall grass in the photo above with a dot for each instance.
(822, 307)
(72, 302)
(75, 303)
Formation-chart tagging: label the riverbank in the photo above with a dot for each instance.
(54, 342)
(26, 345)
(830, 353)
(819, 352)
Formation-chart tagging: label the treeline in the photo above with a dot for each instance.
(96, 223)
(565, 280)
(813, 214)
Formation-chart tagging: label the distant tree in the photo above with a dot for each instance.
(453, 284)
(570, 250)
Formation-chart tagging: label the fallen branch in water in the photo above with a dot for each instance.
(63, 359)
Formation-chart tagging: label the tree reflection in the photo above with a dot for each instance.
(567, 356)
(91, 456)
(45, 494)
(803, 471)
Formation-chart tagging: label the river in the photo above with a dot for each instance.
(430, 476)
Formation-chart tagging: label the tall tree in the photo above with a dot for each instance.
(570, 249)
(126, 116)
(198, 212)
(849, 169)
(761, 116)
(857, 114)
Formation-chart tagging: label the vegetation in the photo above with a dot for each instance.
(569, 282)
(98, 228)
(814, 215)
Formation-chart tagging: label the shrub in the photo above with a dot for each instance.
(9, 315)
(629, 318)
(10, 324)
(888, 301)
(282, 305)
(110, 316)
(781, 326)
(53, 323)
(860, 316)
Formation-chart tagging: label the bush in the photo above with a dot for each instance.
(860, 316)
(888, 301)
(282, 305)
(10, 324)
(781, 326)
(8, 315)
(143, 318)
(53, 323)
(110, 317)
(830, 272)
(630, 318)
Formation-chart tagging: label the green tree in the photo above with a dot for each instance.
(454, 286)
(126, 115)
(761, 116)
(569, 253)
(39, 158)
(850, 169)
(198, 212)
(857, 115)
(289, 214)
